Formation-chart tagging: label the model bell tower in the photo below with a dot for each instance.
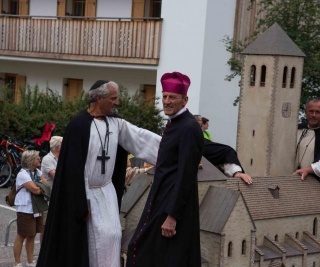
(269, 104)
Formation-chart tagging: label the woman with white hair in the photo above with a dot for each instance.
(50, 161)
(28, 223)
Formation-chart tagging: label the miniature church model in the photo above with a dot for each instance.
(269, 104)
(273, 222)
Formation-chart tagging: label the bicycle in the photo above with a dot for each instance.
(5, 169)
(10, 154)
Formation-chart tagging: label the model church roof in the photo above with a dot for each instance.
(274, 41)
(294, 197)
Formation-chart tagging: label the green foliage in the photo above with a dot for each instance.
(300, 20)
(140, 112)
(24, 120)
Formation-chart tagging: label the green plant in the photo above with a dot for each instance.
(25, 119)
(300, 20)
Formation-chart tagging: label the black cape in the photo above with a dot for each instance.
(219, 154)
(65, 238)
(175, 192)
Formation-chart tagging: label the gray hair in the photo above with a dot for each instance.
(28, 157)
(103, 91)
(312, 99)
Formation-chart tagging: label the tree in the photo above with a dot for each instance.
(300, 19)
(25, 119)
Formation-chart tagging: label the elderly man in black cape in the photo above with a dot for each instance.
(168, 232)
(83, 226)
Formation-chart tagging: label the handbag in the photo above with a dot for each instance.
(12, 194)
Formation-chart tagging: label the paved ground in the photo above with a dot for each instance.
(7, 214)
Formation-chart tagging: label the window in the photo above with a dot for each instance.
(244, 247)
(15, 84)
(79, 8)
(15, 7)
(315, 227)
(284, 77)
(276, 238)
(263, 76)
(297, 235)
(253, 75)
(292, 79)
(155, 8)
(230, 249)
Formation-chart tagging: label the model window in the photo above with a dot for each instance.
(315, 227)
(244, 247)
(253, 75)
(230, 249)
(263, 76)
(293, 77)
(284, 77)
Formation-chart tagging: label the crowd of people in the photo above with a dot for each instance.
(89, 168)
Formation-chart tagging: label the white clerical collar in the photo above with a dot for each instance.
(178, 113)
(315, 128)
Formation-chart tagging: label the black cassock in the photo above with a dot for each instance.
(174, 192)
(65, 238)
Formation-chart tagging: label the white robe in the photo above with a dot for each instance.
(305, 150)
(104, 229)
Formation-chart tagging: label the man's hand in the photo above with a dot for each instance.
(245, 177)
(304, 172)
(169, 227)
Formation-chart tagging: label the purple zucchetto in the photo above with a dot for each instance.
(175, 82)
(98, 83)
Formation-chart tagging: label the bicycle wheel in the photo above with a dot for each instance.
(5, 173)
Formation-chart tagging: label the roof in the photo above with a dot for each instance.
(135, 191)
(268, 253)
(209, 172)
(274, 41)
(216, 208)
(296, 197)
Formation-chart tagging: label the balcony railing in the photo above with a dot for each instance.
(114, 40)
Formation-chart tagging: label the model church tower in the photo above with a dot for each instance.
(269, 104)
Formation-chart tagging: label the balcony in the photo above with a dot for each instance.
(111, 40)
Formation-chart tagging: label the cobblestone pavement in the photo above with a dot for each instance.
(8, 214)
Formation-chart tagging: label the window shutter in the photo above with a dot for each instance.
(23, 7)
(90, 8)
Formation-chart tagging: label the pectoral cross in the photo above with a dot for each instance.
(103, 159)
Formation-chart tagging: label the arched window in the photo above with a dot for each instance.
(263, 76)
(253, 75)
(315, 227)
(293, 77)
(314, 264)
(230, 249)
(244, 247)
(276, 238)
(297, 235)
(284, 77)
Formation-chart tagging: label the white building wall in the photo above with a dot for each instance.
(52, 75)
(191, 44)
(114, 8)
(43, 8)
